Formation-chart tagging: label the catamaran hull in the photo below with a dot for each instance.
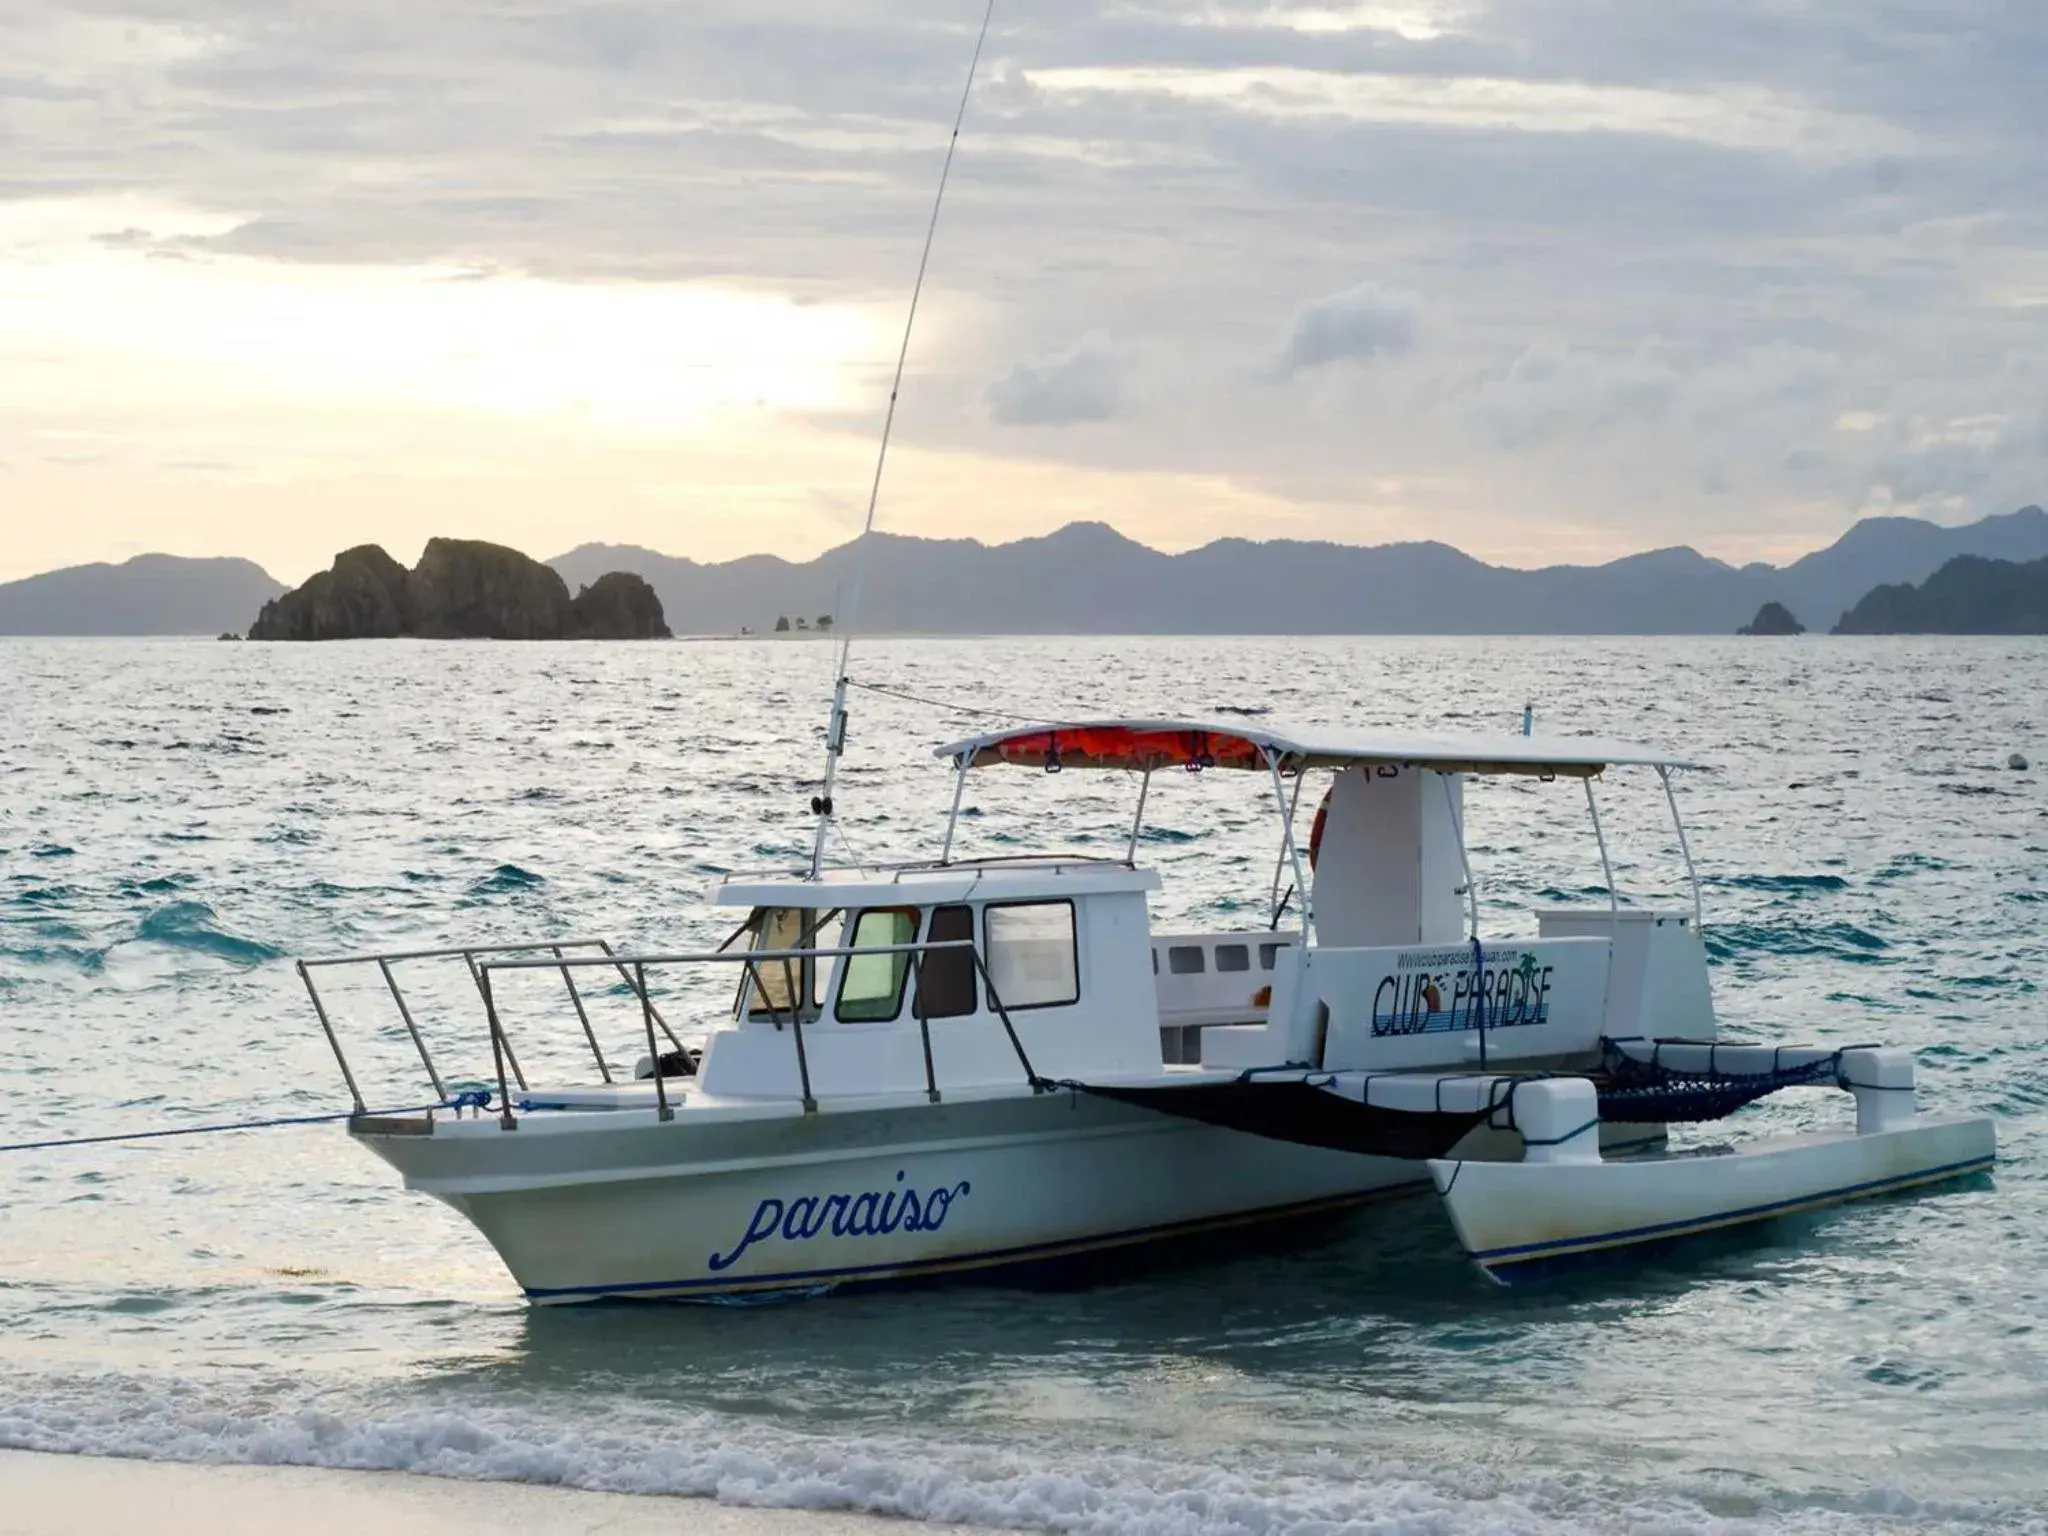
(1520, 1221)
(857, 1197)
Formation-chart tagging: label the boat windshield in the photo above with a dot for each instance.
(773, 984)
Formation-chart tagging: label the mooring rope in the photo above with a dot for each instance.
(475, 1098)
(950, 706)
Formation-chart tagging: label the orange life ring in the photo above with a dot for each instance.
(1315, 831)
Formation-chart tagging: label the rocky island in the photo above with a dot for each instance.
(1967, 596)
(462, 589)
(1773, 619)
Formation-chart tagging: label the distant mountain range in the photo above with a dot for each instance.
(148, 595)
(1089, 579)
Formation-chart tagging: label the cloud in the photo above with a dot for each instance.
(1358, 323)
(1734, 118)
(1085, 385)
(1650, 249)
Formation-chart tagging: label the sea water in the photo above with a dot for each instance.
(178, 820)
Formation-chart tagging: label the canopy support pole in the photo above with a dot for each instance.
(1138, 821)
(953, 816)
(1606, 867)
(1293, 851)
(1464, 859)
(1273, 897)
(1692, 875)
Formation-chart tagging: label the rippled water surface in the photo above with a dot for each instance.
(177, 819)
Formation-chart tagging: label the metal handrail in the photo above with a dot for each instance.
(484, 960)
(503, 1055)
(895, 869)
(452, 951)
(751, 959)
(731, 956)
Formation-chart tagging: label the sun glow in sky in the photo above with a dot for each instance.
(296, 407)
(88, 321)
(137, 365)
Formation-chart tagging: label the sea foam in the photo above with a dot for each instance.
(657, 1449)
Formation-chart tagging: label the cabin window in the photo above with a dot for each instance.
(1233, 957)
(946, 976)
(1268, 953)
(1186, 960)
(775, 982)
(872, 985)
(1032, 961)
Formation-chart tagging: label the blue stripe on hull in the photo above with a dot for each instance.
(1533, 1261)
(999, 1263)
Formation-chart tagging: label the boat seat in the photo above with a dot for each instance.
(1209, 981)
(1205, 1018)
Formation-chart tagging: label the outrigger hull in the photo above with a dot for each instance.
(710, 1206)
(1522, 1221)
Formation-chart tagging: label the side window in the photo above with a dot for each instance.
(872, 987)
(947, 975)
(1031, 957)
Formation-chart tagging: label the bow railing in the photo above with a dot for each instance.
(571, 957)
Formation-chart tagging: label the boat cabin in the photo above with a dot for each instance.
(874, 965)
(973, 973)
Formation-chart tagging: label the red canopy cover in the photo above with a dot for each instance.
(1122, 746)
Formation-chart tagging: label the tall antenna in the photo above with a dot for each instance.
(835, 727)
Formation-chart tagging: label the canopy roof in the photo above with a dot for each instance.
(1214, 744)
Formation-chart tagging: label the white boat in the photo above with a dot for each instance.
(972, 1065)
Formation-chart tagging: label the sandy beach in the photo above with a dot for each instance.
(95, 1496)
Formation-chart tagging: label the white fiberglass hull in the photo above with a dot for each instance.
(1521, 1221)
(581, 1206)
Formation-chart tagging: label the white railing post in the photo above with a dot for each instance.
(1138, 821)
(1600, 837)
(1293, 850)
(1692, 875)
(953, 816)
(1464, 859)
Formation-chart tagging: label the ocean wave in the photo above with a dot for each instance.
(1781, 883)
(91, 961)
(1840, 941)
(161, 885)
(45, 896)
(1904, 864)
(640, 1449)
(192, 925)
(505, 878)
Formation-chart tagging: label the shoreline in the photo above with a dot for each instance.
(79, 1495)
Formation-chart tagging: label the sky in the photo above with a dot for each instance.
(1550, 280)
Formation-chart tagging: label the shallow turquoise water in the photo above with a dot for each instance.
(178, 818)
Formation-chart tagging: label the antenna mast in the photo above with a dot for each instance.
(835, 727)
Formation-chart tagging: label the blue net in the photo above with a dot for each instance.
(1649, 1092)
